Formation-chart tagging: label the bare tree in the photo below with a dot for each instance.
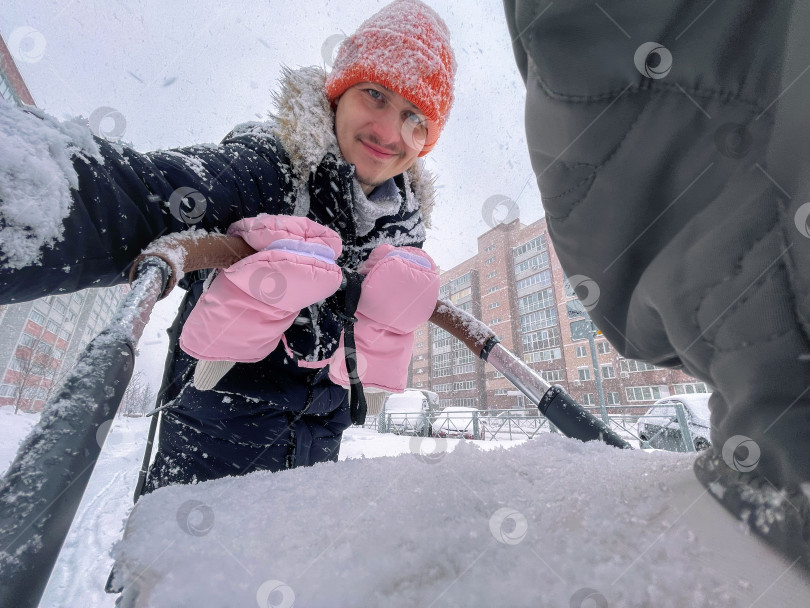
(139, 397)
(35, 368)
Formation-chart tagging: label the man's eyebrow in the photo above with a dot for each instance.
(414, 106)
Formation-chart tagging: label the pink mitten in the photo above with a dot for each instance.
(248, 306)
(398, 294)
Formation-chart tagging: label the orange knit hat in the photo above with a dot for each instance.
(405, 47)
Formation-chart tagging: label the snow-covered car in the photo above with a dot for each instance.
(456, 421)
(408, 413)
(659, 428)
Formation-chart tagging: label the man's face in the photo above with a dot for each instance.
(380, 132)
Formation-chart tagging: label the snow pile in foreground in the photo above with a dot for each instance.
(546, 523)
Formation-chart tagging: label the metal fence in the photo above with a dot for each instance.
(643, 426)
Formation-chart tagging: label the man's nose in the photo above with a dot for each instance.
(388, 128)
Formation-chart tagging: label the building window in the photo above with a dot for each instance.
(493, 289)
(441, 346)
(632, 366)
(581, 352)
(538, 243)
(494, 305)
(497, 374)
(467, 385)
(27, 339)
(419, 344)
(587, 399)
(584, 373)
(613, 399)
(6, 92)
(460, 295)
(495, 320)
(542, 355)
(491, 260)
(465, 402)
(37, 317)
(691, 387)
(539, 319)
(17, 364)
(603, 348)
(536, 301)
(541, 278)
(52, 326)
(643, 393)
(608, 371)
(60, 307)
(420, 332)
(501, 391)
(8, 390)
(443, 388)
(540, 340)
(537, 262)
(490, 247)
(554, 375)
(492, 274)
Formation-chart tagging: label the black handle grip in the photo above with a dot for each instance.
(575, 421)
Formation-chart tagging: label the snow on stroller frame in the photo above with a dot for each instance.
(42, 489)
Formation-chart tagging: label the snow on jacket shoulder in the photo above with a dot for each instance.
(118, 201)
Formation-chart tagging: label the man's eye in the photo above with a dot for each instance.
(416, 119)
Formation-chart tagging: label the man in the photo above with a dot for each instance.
(342, 155)
(669, 142)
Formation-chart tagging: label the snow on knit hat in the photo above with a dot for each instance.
(404, 47)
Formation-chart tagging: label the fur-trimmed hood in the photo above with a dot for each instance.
(304, 122)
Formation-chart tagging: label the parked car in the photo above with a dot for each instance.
(408, 413)
(660, 428)
(456, 421)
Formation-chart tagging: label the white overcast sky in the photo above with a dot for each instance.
(185, 72)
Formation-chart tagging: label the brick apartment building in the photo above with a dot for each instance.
(515, 284)
(40, 340)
